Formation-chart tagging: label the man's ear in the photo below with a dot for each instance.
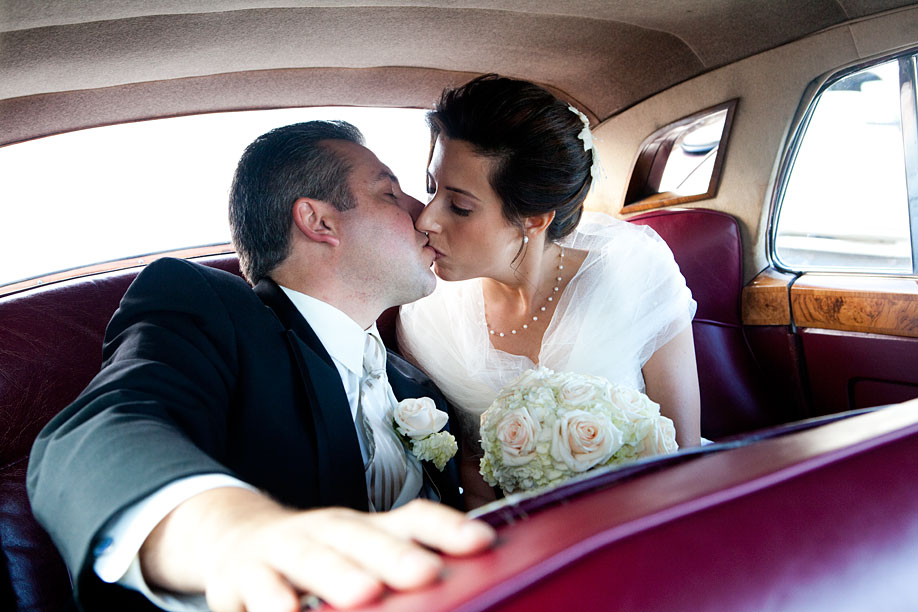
(317, 220)
(537, 224)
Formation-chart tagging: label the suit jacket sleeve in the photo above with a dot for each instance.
(155, 412)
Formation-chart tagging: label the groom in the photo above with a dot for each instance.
(231, 439)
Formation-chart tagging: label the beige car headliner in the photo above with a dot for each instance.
(66, 64)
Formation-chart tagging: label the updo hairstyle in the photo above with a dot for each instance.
(540, 163)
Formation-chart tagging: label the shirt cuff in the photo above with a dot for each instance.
(171, 602)
(116, 554)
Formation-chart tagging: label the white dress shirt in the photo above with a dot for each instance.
(117, 553)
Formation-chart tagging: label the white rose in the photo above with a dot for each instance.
(661, 439)
(532, 378)
(634, 403)
(419, 417)
(582, 440)
(517, 433)
(578, 393)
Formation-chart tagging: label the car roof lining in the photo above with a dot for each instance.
(606, 55)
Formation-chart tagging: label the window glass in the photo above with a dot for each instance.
(680, 162)
(689, 165)
(126, 190)
(845, 203)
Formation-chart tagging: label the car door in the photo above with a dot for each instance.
(836, 312)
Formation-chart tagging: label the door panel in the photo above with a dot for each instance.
(851, 341)
(848, 370)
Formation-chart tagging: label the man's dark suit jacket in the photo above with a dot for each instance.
(201, 374)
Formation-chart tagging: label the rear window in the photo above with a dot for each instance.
(130, 190)
(681, 162)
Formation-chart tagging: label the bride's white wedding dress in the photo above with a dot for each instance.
(627, 299)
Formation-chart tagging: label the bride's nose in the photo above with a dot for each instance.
(427, 220)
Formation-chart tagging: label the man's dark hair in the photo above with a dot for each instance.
(286, 164)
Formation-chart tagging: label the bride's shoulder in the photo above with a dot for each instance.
(613, 240)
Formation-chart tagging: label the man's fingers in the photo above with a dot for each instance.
(327, 573)
(343, 556)
(268, 591)
(391, 557)
(258, 589)
(437, 526)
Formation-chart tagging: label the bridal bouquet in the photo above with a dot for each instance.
(547, 426)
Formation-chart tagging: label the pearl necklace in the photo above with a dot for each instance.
(551, 296)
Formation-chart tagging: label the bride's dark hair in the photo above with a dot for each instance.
(540, 163)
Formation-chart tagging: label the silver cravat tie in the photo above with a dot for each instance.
(386, 465)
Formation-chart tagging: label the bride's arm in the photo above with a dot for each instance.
(671, 378)
(476, 492)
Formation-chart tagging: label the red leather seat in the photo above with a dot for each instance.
(707, 247)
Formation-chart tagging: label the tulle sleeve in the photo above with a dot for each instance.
(628, 300)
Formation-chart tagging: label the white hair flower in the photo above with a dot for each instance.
(587, 137)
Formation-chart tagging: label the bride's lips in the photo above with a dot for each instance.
(437, 254)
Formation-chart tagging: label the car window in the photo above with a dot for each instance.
(845, 201)
(133, 189)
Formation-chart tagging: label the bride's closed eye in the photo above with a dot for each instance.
(458, 210)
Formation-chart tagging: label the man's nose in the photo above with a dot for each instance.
(413, 206)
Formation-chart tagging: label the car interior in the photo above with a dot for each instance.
(775, 343)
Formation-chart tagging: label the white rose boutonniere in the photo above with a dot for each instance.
(419, 417)
(418, 421)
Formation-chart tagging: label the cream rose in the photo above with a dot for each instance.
(576, 393)
(634, 403)
(661, 439)
(532, 378)
(582, 439)
(419, 417)
(517, 433)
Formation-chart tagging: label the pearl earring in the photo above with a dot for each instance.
(525, 239)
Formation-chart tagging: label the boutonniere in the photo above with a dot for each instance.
(418, 423)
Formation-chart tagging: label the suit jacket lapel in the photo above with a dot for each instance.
(407, 381)
(341, 476)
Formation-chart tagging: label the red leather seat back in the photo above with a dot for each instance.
(707, 247)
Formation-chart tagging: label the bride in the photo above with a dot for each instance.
(540, 282)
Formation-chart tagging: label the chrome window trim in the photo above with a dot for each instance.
(796, 132)
(907, 100)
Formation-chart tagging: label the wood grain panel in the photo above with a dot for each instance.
(765, 299)
(857, 303)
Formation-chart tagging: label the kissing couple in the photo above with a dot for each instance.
(227, 453)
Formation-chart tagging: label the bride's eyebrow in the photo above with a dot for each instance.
(430, 180)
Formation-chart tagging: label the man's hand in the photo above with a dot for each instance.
(245, 552)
